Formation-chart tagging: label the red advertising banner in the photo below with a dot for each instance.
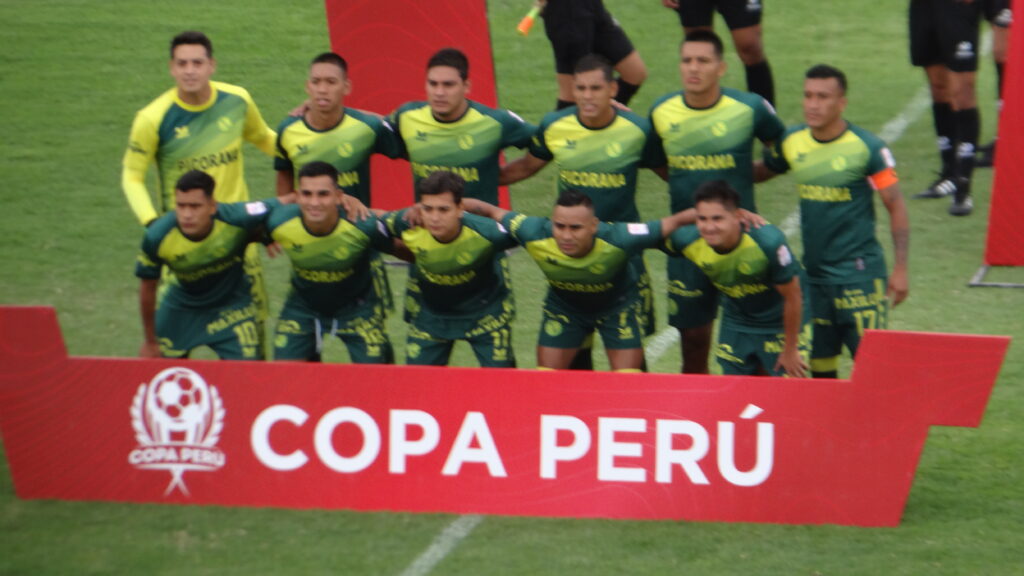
(462, 440)
(1005, 243)
(387, 44)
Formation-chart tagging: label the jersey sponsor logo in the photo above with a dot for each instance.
(448, 279)
(177, 418)
(323, 276)
(345, 149)
(553, 328)
(468, 173)
(719, 129)
(210, 160)
(347, 179)
(638, 228)
(674, 126)
(702, 162)
(570, 144)
(229, 317)
(180, 132)
(581, 287)
(592, 179)
(839, 163)
(824, 193)
(466, 142)
(421, 135)
(741, 290)
(201, 273)
(255, 208)
(613, 149)
(301, 149)
(853, 299)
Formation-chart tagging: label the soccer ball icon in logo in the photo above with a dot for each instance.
(179, 406)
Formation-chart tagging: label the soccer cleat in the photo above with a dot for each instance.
(962, 204)
(986, 155)
(939, 189)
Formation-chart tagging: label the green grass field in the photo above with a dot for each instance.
(74, 73)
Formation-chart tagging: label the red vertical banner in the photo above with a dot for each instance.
(387, 44)
(1005, 244)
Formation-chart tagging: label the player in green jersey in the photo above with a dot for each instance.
(704, 132)
(459, 284)
(838, 168)
(591, 283)
(210, 302)
(450, 132)
(765, 327)
(332, 288)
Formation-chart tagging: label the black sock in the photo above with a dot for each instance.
(945, 129)
(967, 126)
(759, 81)
(626, 91)
(564, 104)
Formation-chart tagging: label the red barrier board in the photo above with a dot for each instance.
(463, 440)
(387, 44)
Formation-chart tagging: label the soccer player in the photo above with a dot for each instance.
(944, 41)
(459, 284)
(705, 132)
(591, 284)
(765, 328)
(332, 288)
(201, 242)
(452, 133)
(839, 167)
(580, 27)
(743, 17)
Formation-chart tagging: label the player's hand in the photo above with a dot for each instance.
(792, 363)
(149, 350)
(413, 216)
(620, 106)
(899, 287)
(356, 210)
(673, 4)
(274, 250)
(300, 110)
(750, 219)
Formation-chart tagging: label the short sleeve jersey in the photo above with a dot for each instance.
(836, 181)
(468, 146)
(714, 143)
(594, 283)
(602, 163)
(329, 272)
(347, 146)
(181, 137)
(746, 276)
(208, 272)
(463, 278)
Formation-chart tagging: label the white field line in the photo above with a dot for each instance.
(445, 542)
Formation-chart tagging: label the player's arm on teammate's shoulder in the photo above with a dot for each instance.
(485, 209)
(792, 315)
(899, 225)
(520, 169)
(285, 183)
(355, 210)
(670, 224)
(147, 308)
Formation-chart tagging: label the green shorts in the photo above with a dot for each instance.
(619, 327)
(231, 331)
(842, 312)
(741, 352)
(381, 284)
(493, 349)
(300, 333)
(692, 298)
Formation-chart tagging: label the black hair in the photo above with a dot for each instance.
(196, 179)
(704, 35)
(192, 37)
(717, 191)
(592, 62)
(440, 182)
(450, 57)
(824, 71)
(570, 198)
(318, 168)
(331, 58)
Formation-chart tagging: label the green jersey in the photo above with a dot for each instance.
(208, 273)
(456, 283)
(468, 146)
(714, 143)
(746, 276)
(594, 283)
(330, 273)
(836, 181)
(347, 146)
(602, 163)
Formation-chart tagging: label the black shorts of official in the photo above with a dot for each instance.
(580, 27)
(997, 12)
(736, 13)
(944, 32)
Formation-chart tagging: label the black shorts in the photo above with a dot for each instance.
(580, 27)
(736, 13)
(944, 32)
(998, 12)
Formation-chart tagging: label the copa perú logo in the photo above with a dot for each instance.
(177, 419)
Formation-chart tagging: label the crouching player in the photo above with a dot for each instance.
(592, 282)
(765, 318)
(459, 286)
(332, 289)
(208, 301)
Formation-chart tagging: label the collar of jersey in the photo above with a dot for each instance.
(199, 107)
(682, 96)
(830, 140)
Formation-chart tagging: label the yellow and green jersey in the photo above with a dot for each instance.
(469, 146)
(347, 146)
(746, 276)
(455, 284)
(836, 181)
(597, 282)
(602, 163)
(180, 137)
(713, 143)
(330, 273)
(206, 273)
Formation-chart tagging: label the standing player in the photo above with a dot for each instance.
(765, 329)
(838, 168)
(580, 27)
(452, 133)
(743, 17)
(201, 243)
(591, 284)
(332, 288)
(705, 132)
(459, 284)
(944, 41)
